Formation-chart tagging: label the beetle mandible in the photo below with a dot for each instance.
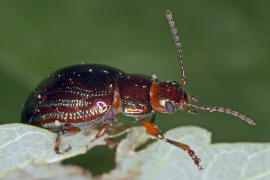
(86, 96)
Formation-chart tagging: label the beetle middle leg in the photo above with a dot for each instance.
(102, 132)
(60, 133)
(112, 133)
(153, 118)
(154, 130)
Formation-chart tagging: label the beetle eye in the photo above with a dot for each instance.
(170, 107)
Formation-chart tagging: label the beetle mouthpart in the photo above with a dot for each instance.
(193, 98)
(190, 111)
(223, 110)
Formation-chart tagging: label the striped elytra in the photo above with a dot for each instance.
(70, 95)
(87, 96)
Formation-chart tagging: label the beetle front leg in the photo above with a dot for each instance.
(154, 130)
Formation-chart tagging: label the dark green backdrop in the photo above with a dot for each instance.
(225, 44)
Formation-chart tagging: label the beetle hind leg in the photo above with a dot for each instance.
(58, 144)
(58, 140)
(154, 130)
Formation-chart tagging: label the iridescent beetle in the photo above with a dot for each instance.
(86, 96)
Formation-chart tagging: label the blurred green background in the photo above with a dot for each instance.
(225, 45)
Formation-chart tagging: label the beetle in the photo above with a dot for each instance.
(87, 96)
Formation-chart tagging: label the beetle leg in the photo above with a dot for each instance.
(58, 144)
(154, 130)
(61, 132)
(108, 140)
(153, 118)
(101, 132)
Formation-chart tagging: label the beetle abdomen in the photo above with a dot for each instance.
(74, 95)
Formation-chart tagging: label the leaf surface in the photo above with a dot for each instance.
(25, 150)
(25, 145)
(161, 161)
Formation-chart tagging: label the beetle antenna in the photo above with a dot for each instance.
(223, 110)
(178, 45)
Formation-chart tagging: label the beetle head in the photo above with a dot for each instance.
(168, 97)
